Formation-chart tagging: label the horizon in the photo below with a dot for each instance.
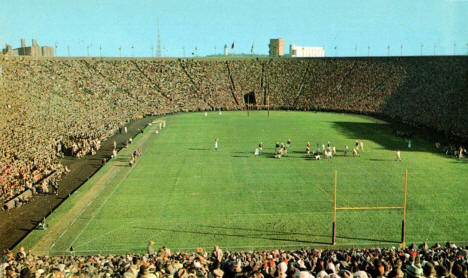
(101, 27)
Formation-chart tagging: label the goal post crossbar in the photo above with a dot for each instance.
(402, 207)
(367, 208)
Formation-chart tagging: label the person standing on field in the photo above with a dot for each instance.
(398, 156)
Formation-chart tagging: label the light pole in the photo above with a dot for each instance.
(368, 51)
(56, 46)
(388, 49)
(68, 50)
(355, 50)
(133, 52)
(435, 48)
(422, 46)
(87, 48)
(335, 50)
(183, 51)
(100, 51)
(120, 51)
(152, 51)
(454, 48)
(401, 50)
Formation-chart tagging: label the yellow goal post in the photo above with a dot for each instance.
(402, 207)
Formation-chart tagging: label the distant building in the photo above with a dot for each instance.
(47, 51)
(306, 51)
(276, 47)
(8, 50)
(34, 50)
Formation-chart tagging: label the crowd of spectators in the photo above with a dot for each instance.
(56, 107)
(422, 261)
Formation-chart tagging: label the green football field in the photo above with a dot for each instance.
(183, 194)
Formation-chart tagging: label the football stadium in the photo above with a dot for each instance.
(234, 166)
(199, 179)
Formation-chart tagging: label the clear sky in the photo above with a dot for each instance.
(350, 25)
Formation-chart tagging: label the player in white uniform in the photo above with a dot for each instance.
(216, 144)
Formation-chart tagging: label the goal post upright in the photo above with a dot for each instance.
(403, 222)
(334, 211)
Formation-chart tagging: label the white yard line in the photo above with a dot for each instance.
(102, 205)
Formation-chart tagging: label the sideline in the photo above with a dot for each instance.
(16, 224)
(91, 193)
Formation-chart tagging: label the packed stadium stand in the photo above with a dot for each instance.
(53, 107)
(414, 261)
(56, 107)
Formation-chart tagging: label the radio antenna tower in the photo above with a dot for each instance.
(158, 47)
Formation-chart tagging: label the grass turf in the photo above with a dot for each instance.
(183, 194)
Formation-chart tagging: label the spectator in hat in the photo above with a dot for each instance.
(413, 271)
(144, 273)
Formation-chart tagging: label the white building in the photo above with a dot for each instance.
(306, 51)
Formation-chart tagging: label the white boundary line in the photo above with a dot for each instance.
(77, 217)
(102, 205)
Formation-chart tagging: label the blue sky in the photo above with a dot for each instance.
(349, 25)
